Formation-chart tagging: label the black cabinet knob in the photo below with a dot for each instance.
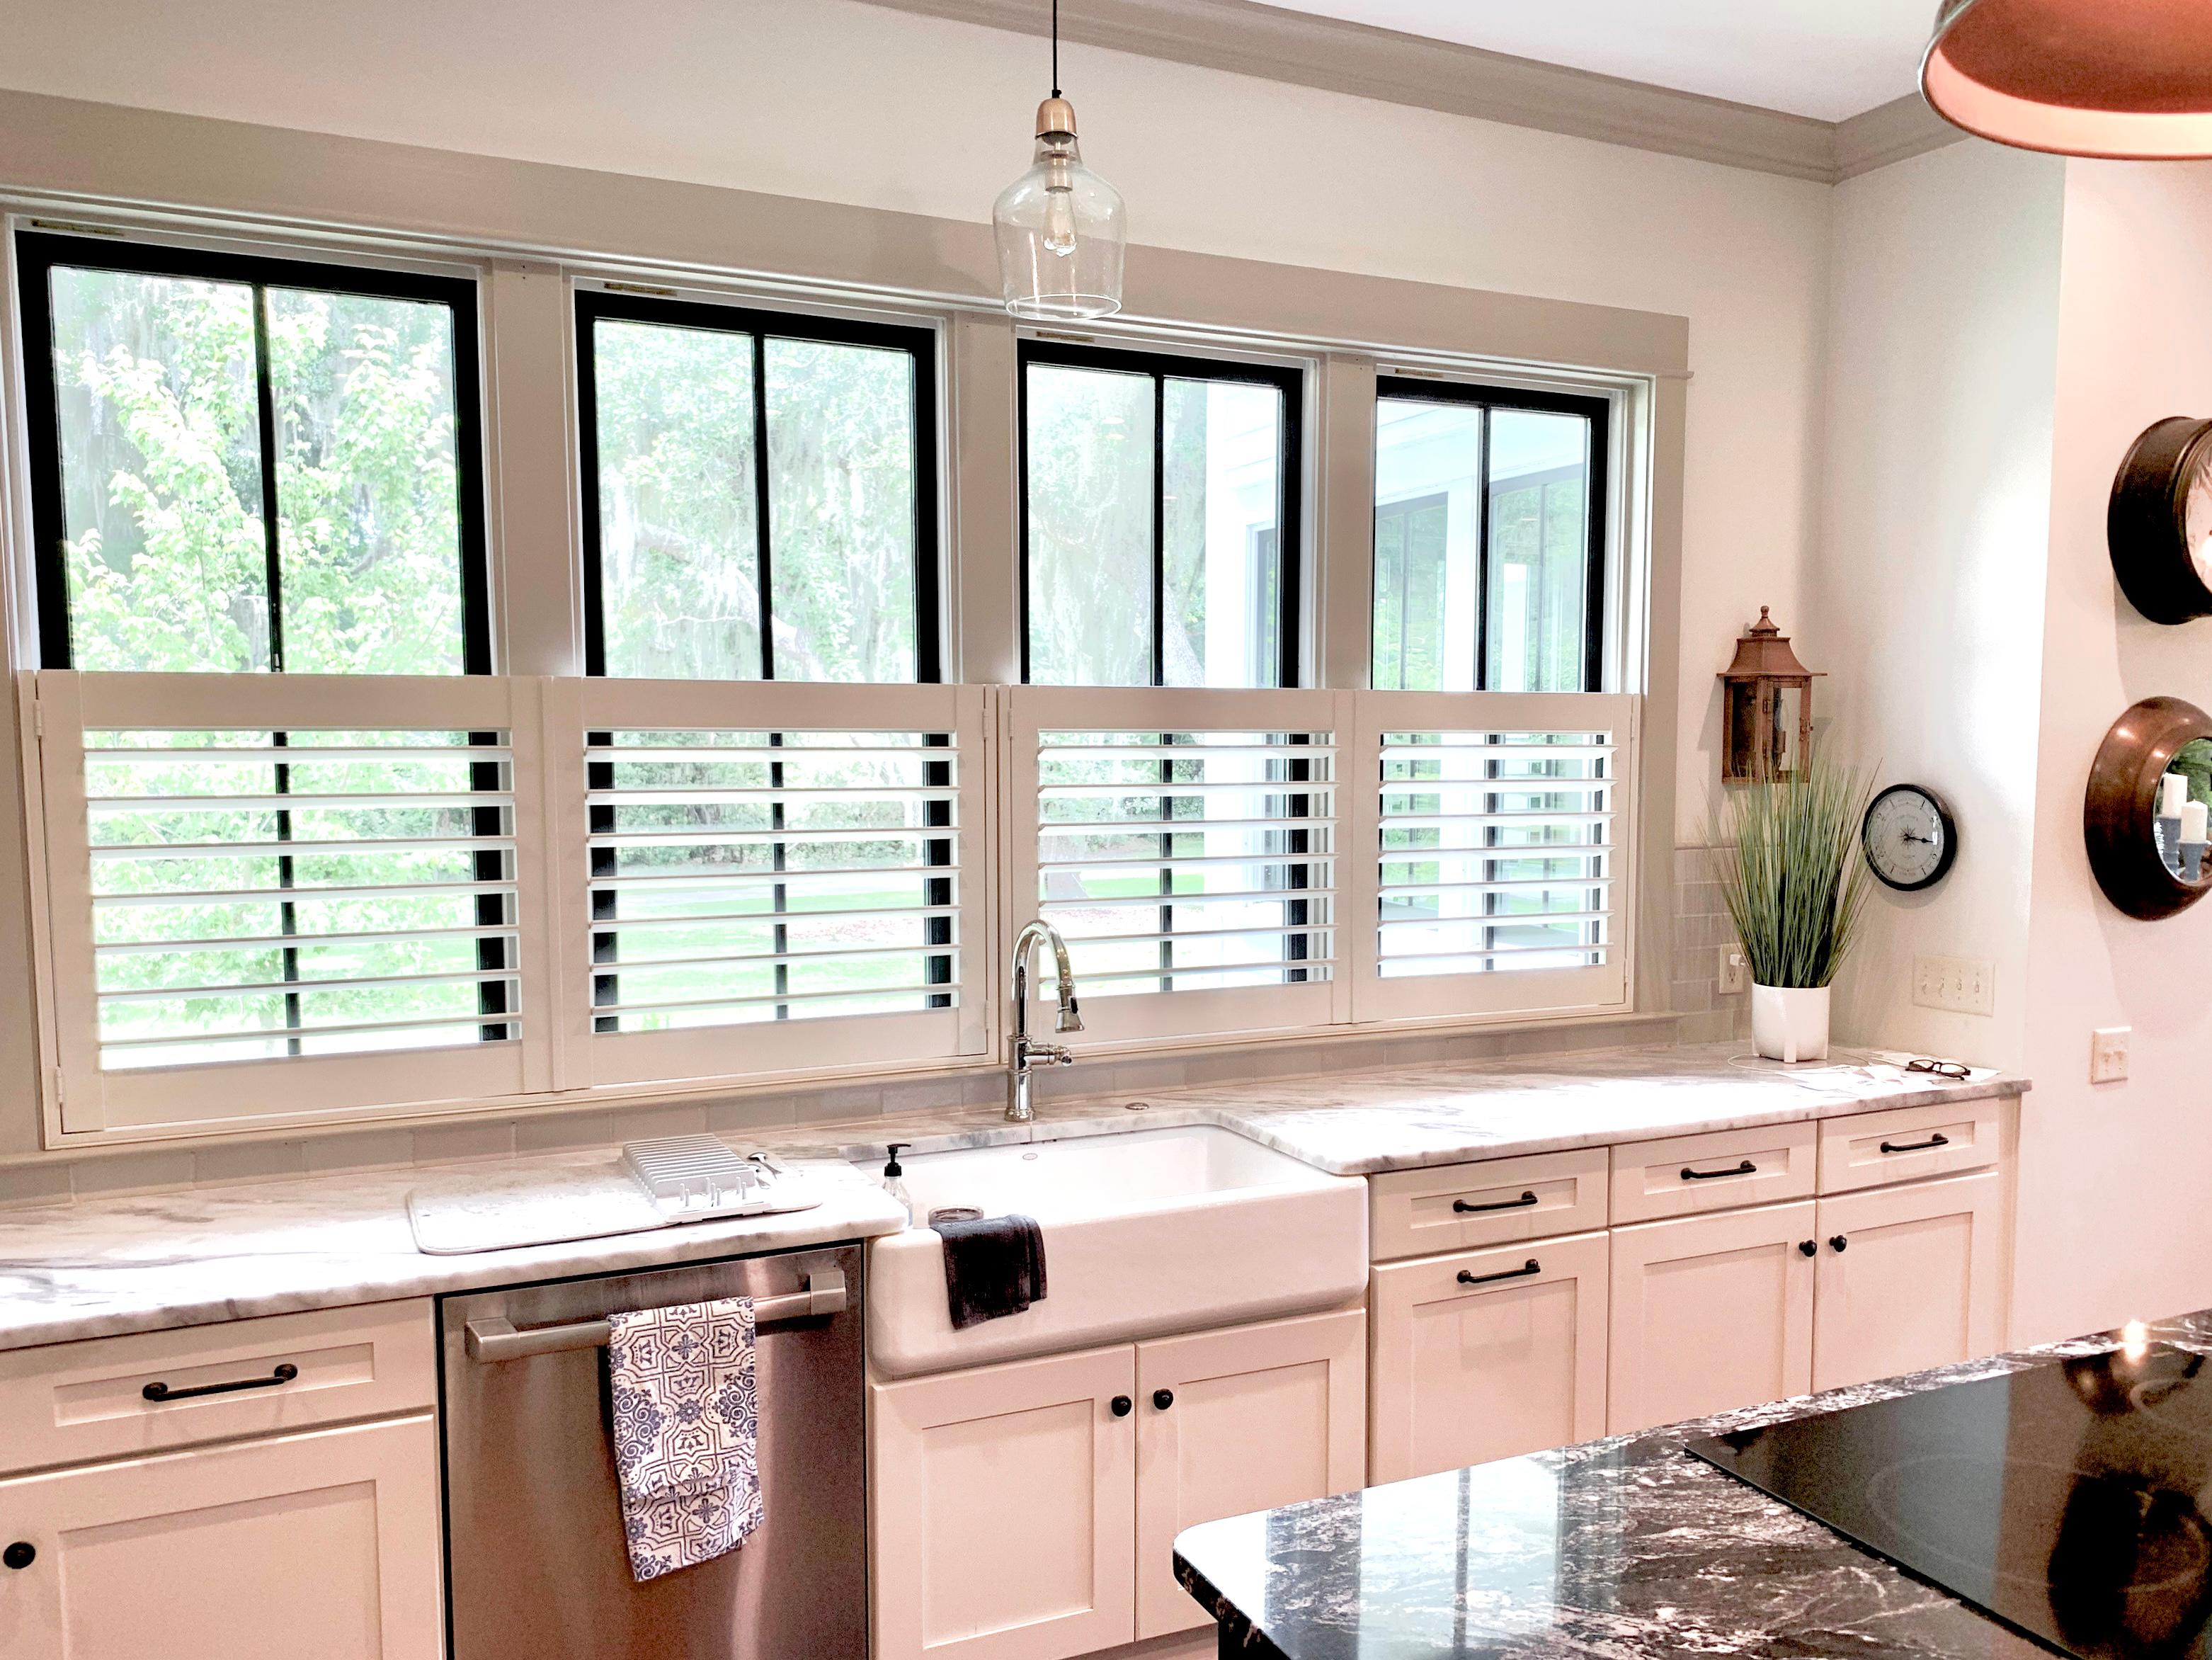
(1163, 1399)
(1808, 1246)
(1838, 1241)
(20, 1554)
(1123, 1406)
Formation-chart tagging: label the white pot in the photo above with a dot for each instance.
(1789, 1023)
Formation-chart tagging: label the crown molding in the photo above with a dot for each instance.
(1245, 38)
(1895, 131)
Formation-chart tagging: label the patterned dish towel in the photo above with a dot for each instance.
(686, 1428)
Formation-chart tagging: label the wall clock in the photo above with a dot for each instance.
(2157, 526)
(1909, 836)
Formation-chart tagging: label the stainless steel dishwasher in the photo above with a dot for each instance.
(535, 1561)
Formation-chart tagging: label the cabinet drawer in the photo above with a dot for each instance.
(1719, 1170)
(1486, 1354)
(1872, 1148)
(1458, 1206)
(70, 1402)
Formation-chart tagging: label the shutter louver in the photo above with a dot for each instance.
(1497, 851)
(258, 894)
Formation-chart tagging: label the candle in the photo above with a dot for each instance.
(2193, 815)
(2173, 790)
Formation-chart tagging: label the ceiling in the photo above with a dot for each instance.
(1828, 58)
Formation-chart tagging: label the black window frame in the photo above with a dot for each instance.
(37, 254)
(1490, 398)
(917, 340)
(1162, 367)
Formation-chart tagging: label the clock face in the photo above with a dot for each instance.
(1910, 839)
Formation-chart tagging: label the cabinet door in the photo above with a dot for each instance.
(1909, 1278)
(1240, 1421)
(1710, 1313)
(1478, 1358)
(1003, 1505)
(325, 1543)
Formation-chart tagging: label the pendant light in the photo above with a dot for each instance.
(1060, 225)
(2124, 78)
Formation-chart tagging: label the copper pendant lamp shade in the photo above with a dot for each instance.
(2123, 78)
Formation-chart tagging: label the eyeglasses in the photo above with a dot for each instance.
(1939, 1068)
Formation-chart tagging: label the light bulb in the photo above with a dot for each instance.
(1060, 220)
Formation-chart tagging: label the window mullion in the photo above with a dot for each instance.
(763, 530)
(1159, 530)
(265, 394)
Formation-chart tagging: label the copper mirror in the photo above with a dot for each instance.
(2146, 812)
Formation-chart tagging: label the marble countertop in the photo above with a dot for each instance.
(101, 1267)
(1629, 1548)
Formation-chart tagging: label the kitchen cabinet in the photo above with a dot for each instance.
(1229, 1422)
(1907, 1278)
(1486, 1354)
(325, 1543)
(1002, 1504)
(1027, 1510)
(1710, 1312)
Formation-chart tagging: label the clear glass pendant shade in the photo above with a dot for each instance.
(1060, 230)
(2127, 78)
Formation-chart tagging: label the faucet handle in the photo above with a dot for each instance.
(1050, 1055)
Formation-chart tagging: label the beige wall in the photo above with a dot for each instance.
(1927, 603)
(2113, 1178)
(849, 103)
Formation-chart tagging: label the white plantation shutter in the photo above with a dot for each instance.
(1184, 842)
(767, 878)
(1499, 829)
(284, 895)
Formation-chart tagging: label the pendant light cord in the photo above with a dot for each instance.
(1056, 48)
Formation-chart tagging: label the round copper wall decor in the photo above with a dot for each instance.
(2158, 524)
(2119, 811)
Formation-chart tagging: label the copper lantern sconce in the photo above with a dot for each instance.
(1766, 707)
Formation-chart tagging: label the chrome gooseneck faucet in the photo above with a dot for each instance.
(1023, 1055)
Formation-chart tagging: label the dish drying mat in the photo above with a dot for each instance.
(647, 1185)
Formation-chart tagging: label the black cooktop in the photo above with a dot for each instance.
(2065, 1499)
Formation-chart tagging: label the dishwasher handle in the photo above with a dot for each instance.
(493, 1339)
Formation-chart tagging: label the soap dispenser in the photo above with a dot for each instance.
(894, 1181)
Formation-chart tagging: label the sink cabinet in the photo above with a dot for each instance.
(1027, 1510)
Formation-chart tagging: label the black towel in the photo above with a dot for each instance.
(993, 1267)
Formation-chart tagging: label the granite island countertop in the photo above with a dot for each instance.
(102, 1267)
(1629, 1548)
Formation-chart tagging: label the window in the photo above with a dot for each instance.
(1490, 538)
(760, 494)
(1159, 520)
(242, 464)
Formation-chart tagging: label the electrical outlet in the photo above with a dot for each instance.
(1962, 985)
(2108, 1054)
(1735, 972)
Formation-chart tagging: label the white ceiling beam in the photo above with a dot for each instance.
(1331, 55)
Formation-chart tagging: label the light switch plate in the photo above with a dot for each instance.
(1735, 973)
(1962, 985)
(2108, 1054)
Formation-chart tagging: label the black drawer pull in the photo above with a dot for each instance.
(1747, 1168)
(284, 1373)
(1916, 1147)
(1521, 1272)
(1463, 1209)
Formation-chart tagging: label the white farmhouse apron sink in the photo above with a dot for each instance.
(1144, 1233)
